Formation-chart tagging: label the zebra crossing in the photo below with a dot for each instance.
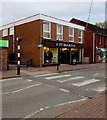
(75, 81)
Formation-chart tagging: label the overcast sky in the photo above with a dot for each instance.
(62, 9)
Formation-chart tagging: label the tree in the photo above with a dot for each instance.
(102, 24)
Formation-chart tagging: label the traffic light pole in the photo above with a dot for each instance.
(18, 60)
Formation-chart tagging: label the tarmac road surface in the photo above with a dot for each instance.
(49, 95)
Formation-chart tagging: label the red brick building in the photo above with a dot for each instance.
(3, 54)
(42, 36)
(95, 40)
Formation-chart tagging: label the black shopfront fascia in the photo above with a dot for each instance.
(60, 44)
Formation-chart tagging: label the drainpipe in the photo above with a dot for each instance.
(13, 36)
(93, 47)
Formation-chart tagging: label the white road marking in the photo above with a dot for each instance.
(29, 80)
(96, 74)
(100, 89)
(71, 102)
(4, 80)
(55, 77)
(64, 90)
(47, 107)
(85, 82)
(16, 91)
(46, 75)
(32, 114)
(74, 78)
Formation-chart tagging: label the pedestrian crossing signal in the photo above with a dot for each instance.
(18, 39)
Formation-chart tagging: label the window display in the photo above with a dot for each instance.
(50, 55)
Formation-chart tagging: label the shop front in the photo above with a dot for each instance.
(101, 55)
(55, 52)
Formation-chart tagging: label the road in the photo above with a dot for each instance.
(49, 95)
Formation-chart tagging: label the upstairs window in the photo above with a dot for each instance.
(47, 30)
(106, 41)
(59, 32)
(100, 40)
(71, 34)
(80, 36)
(11, 31)
(5, 33)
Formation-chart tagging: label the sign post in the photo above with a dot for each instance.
(19, 39)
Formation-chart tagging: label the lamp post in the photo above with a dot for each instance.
(58, 55)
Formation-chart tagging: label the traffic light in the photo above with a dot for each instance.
(18, 39)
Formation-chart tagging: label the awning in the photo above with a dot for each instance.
(101, 50)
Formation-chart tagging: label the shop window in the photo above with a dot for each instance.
(11, 31)
(59, 32)
(71, 34)
(47, 30)
(80, 36)
(50, 55)
(5, 32)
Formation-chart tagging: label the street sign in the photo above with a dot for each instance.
(40, 45)
(4, 43)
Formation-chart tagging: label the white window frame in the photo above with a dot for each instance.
(71, 36)
(80, 37)
(11, 31)
(100, 40)
(5, 32)
(45, 31)
(106, 41)
(61, 34)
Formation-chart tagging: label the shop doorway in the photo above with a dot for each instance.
(76, 54)
(64, 56)
(67, 55)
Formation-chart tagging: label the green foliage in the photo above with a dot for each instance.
(102, 24)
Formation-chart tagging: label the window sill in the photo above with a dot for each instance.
(46, 38)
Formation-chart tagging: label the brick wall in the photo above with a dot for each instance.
(0, 35)
(3, 58)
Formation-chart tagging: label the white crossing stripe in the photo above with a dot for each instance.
(55, 77)
(46, 75)
(29, 80)
(73, 78)
(64, 90)
(100, 89)
(85, 82)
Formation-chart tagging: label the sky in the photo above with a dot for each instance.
(13, 10)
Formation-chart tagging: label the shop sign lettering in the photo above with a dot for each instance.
(65, 45)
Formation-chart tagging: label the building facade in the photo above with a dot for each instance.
(46, 40)
(3, 54)
(95, 40)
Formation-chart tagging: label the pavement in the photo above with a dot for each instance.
(94, 108)
(43, 70)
